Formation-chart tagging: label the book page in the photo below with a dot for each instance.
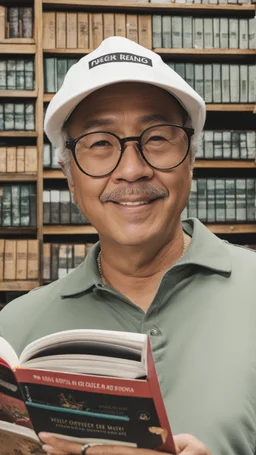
(127, 339)
(8, 354)
(13, 441)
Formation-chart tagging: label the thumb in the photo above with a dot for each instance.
(186, 444)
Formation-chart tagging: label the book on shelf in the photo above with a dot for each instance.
(222, 200)
(59, 208)
(60, 259)
(191, 32)
(18, 205)
(19, 259)
(88, 386)
(17, 116)
(68, 30)
(17, 74)
(16, 22)
(228, 145)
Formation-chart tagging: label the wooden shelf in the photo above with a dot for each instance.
(18, 285)
(54, 174)
(19, 41)
(18, 133)
(71, 51)
(227, 164)
(232, 228)
(18, 230)
(228, 53)
(18, 177)
(18, 93)
(63, 229)
(231, 107)
(17, 49)
(147, 7)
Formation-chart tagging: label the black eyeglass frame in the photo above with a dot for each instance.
(70, 144)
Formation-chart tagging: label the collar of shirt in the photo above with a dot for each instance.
(205, 250)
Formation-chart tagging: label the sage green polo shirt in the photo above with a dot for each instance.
(202, 324)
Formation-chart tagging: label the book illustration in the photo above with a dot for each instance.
(12, 406)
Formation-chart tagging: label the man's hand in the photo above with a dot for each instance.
(185, 445)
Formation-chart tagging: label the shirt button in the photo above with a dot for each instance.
(154, 332)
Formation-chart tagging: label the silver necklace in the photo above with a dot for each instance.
(99, 259)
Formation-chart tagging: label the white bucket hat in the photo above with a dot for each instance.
(116, 60)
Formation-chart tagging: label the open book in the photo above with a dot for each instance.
(88, 386)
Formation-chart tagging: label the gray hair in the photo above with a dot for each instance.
(65, 155)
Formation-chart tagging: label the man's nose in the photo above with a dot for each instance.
(132, 165)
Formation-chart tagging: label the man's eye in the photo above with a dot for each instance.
(101, 144)
(156, 138)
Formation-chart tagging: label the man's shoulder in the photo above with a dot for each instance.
(241, 252)
(31, 301)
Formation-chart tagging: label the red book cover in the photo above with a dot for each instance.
(98, 409)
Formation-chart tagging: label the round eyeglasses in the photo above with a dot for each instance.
(163, 147)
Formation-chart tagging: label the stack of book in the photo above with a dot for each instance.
(17, 116)
(18, 159)
(19, 260)
(203, 32)
(55, 70)
(223, 200)
(18, 205)
(60, 259)
(87, 30)
(50, 157)
(220, 82)
(17, 74)
(228, 145)
(16, 22)
(59, 208)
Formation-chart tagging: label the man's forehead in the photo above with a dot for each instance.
(123, 91)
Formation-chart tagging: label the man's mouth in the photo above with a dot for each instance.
(133, 203)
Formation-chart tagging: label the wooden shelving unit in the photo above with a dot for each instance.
(18, 285)
(18, 94)
(232, 228)
(13, 49)
(33, 47)
(103, 5)
(18, 177)
(9, 134)
(72, 230)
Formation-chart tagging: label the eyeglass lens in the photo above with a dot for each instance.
(163, 147)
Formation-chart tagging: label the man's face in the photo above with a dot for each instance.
(127, 109)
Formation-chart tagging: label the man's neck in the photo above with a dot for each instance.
(136, 272)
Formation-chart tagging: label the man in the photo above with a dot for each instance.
(127, 126)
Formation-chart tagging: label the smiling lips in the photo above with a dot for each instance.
(134, 203)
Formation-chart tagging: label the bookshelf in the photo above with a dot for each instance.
(235, 115)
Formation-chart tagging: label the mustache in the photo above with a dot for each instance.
(145, 189)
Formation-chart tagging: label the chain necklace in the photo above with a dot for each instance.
(99, 259)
